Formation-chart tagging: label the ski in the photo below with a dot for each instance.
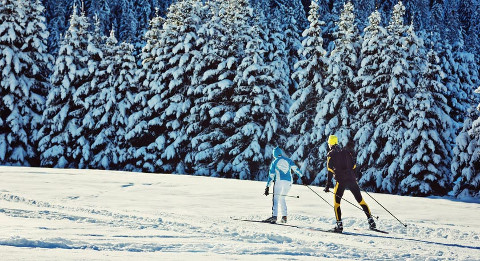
(288, 225)
(374, 230)
(266, 222)
(378, 230)
(310, 228)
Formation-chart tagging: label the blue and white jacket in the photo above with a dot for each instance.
(281, 169)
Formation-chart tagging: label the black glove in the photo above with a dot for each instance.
(304, 180)
(266, 192)
(327, 188)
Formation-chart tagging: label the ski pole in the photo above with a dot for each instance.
(353, 204)
(318, 195)
(385, 209)
(285, 195)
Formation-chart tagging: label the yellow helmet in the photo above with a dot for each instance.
(332, 140)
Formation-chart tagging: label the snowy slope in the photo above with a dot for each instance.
(58, 214)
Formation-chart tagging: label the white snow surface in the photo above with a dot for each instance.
(66, 214)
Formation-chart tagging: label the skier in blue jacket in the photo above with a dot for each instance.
(281, 175)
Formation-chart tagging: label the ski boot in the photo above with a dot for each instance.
(371, 223)
(338, 228)
(272, 220)
(283, 220)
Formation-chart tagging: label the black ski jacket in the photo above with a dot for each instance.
(340, 165)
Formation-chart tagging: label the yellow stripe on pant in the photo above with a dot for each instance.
(336, 205)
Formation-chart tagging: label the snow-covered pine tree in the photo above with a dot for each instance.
(395, 92)
(144, 11)
(99, 98)
(14, 120)
(369, 97)
(114, 80)
(23, 68)
(167, 96)
(138, 135)
(247, 144)
(64, 113)
(86, 95)
(292, 33)
(101, 11)
(470, 10)
(57, 14)
(213, 110)
(336, 112)
(425, 154)
(304, 143)
(36, 47)
(461, 79)
(468, 75)
(416, 54)
(204, 64)
(449, 26)
(293, 9)
(127, 24)
(262, 102)
(329, 12)
(126, 87)
(466, 161)
(454, 94)
(364, 9)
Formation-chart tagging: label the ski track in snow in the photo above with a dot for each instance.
(59, 223)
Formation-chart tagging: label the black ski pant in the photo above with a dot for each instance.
(338, 194)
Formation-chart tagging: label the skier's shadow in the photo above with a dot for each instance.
(398, 238)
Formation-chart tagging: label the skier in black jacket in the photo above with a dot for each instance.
(341, 166)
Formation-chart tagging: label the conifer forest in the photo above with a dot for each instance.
(210, 87)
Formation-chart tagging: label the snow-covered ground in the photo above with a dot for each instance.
(60, 214)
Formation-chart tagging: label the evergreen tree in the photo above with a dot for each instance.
(454, 94)
(364, 9)
(103, 99)
(466, 162)
(144, 11)
(23, 66)
(468, 76)
(125, 84)
(138, 134)
(390, 132)
(64, 111)
(100, 10)
(369, 97)
(36, 47)
(416, 54)
(214, 109)
(168, 103)
(127, 24)
(204, 64)
(86, 95)
(449, 29)
(293, 9)
(292, 33)
(395, 91)
(461, 79)
(425, 154)
(261, 97)
(336, 110)
(305, 143)
(14, 143)
(115, 80)
(470, 10)
(58, 12)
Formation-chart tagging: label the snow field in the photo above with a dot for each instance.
(52, 214)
